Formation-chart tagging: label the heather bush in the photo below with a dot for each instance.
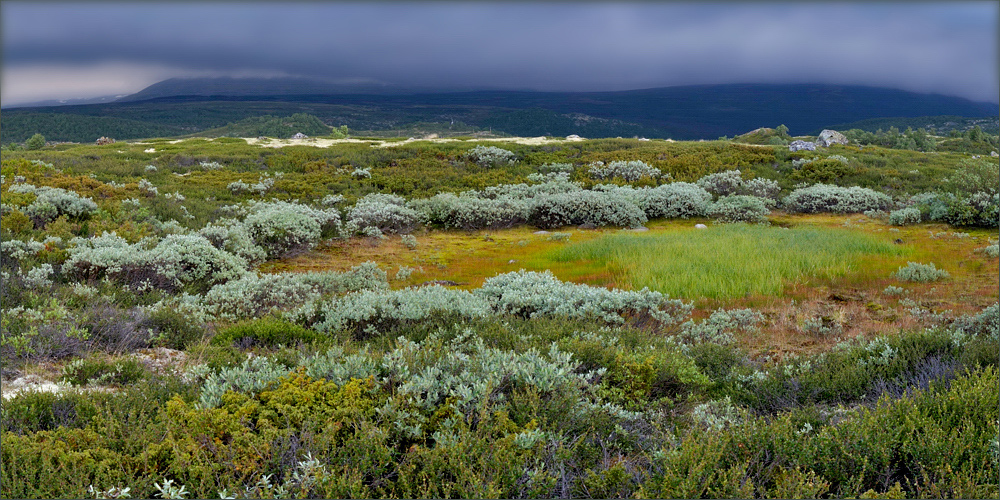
(625, 170)
(836, 199)
(386, 212)
(904, 216)
(722, 183)
(739, 208)
(920, 273)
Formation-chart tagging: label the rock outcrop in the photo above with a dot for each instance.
(105, 140)
(798, 145)
(828, 138)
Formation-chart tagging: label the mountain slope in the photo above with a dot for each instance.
(691, 112)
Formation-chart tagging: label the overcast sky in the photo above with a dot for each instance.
(83, 49)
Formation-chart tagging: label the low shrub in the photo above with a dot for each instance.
(920, 273)
(386, 212)
(284, 229)
(264, 332)
(585, 207)
(904, 216)
(722, 183)
(491, 156)
(529, 294)
(675, 200)
(835, 199)
(95, 371)
(255, 295)
(625, 170)
(739, 208)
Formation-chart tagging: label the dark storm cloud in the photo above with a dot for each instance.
(947, 48)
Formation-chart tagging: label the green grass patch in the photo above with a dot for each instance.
(728, 261)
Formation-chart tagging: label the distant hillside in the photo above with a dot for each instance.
(692, 112)
(937, 125)
(242, 87)
(64, 127)
(272, 126)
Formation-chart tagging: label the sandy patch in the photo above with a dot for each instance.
(30, 383)
(325, 143)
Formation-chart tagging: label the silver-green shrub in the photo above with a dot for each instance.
(585, 207)
(176, 261)
(719, 327)
(739, 208)
(255, 295)
(835, 199)
(283, 229)
(675, 200)
(921, 273)
(371, 311)
(531, 294)
(52, 202)
(722, 183)
(625, 170)
(469, 212)
(761, 188)
(904, 216)
(491, 156)
(387, 212)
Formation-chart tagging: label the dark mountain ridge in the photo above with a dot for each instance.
(688, 112)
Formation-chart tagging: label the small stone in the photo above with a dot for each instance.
(541, 232)
(700, 226)
(640, 229)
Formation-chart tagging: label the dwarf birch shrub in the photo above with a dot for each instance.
(491, 156)
(368, 312)
(530, 294)
(386, 212)
(625, 170)
(904, 216)
(836, 199)
(722, 183)
(256, 295)
(739, 208)
(920, 273)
